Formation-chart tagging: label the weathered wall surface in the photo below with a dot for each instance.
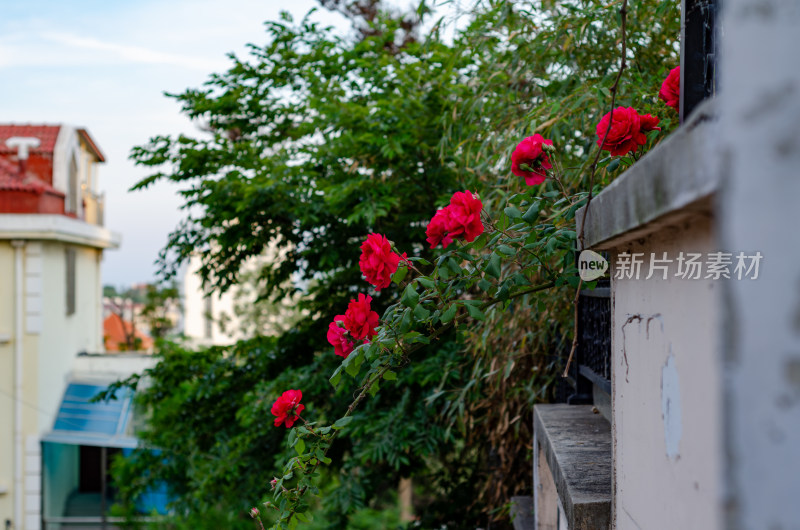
(760, 134)
(666, 386)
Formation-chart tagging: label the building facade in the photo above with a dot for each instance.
(52, 241)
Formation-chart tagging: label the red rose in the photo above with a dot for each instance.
(437, 229)
(529, 151)
(287, 408)
(337, 337)
(671, 88)
(377, 261)
(359, 319)
(627, 130)
(465, 216)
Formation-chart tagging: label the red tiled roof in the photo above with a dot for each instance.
(47, 134)
(83, 133)
(114, 331)
(10, 180)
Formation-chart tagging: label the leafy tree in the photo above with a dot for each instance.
(159, 301)
(315, 140)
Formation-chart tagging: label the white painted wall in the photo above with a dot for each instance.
(227, 327)
(196, 305)
(760, 132)
(666, 390)
(64, 336)
(110, 367)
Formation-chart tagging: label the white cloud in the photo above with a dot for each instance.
(133, 54)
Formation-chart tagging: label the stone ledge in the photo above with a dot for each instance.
(50, 227)
(677, 178)
(576, 443)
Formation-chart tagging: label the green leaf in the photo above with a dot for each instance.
(300, 446)
(426, 282)
(341, 423)
(320, 454)
(352, 365)
(480, 242)
(475, 313)
(449, 314)
(373, 389)
(512, 212)
(532, 214)
(493, 268)
(415, 336)
(405, 322)
(389, 375)
(614, 164)
(507, 250)
(454, 266)
(421, 313)
(336, 377)
(502, 293)
(400, 274)
(410, 296)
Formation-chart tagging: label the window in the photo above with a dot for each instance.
(72, 187)
(209, 318)
(70, 283)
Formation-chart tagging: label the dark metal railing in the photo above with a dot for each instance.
(698, 53)
(591, 364)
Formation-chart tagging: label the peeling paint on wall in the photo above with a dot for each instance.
(671, 407)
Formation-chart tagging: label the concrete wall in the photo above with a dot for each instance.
(666, 388)
(760, 135)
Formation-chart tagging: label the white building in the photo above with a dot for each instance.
(52, 241)
(214, 318)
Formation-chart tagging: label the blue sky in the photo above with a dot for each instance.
(105, 65)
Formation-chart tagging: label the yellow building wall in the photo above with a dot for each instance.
(6, 380)
(51, 341)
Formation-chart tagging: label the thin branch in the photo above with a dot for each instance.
(623, 11)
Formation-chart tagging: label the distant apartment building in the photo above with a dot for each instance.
(214, 318)
(52, 241)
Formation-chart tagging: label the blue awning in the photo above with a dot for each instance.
(101, 424)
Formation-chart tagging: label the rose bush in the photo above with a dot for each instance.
(372, 137)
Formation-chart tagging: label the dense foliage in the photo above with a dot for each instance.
(315, 141)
